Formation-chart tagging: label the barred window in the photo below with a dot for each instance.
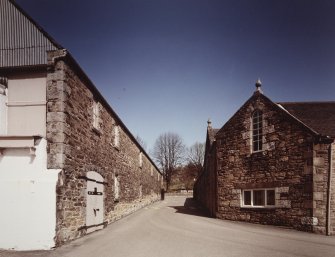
(116, 142)
(140, 160)
(116, 188)
(96, 115)
(257, 131)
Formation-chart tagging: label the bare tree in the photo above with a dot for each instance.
(168, 153)
(196, 154)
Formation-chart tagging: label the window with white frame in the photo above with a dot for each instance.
(116, 142)
(258, 197)
(257, 131)
(96, 115)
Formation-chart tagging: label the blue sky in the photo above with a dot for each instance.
(169, 65)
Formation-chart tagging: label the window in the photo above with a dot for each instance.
(257, 131)
(151, 171)
(140, 191)
(140, 160)
(116, 188)
(247, 198)
(258, 198)
(96, 115)
(116, 136)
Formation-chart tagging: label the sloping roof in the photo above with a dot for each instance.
(22, 41)
(319, 116)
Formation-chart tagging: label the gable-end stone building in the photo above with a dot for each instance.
(68, 164)
(273, 163)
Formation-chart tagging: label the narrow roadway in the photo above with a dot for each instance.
(175, 227)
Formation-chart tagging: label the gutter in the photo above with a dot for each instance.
(329, 190)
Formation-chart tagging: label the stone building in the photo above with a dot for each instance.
(273, 163)
(68, 164)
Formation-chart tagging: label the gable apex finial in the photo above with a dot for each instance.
(209, 122)
(258, 85)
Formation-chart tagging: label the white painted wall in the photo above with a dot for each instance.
(27, 199)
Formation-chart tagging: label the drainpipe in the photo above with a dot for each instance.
(329, 189)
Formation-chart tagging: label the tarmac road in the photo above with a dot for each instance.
(176, 227)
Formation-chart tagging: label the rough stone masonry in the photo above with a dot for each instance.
(76, 146)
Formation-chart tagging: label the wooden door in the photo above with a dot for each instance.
(94, 201)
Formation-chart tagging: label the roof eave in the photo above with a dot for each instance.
(68, 58)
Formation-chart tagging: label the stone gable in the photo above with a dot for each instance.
(292, 168)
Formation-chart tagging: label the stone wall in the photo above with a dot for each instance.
(320, 186)
(285, 164)
(331, 230)
(205, 188)
(76, 146)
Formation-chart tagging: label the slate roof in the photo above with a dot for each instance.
(22, 41)
(319, 116)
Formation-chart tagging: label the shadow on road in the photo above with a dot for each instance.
(191, 207)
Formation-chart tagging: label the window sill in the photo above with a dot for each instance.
(259, 207)
(97, 131)
(259, 151)
(23, 142)
(115, 147)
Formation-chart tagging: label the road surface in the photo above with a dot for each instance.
(177, 228)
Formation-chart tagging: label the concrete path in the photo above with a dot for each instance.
(175, 227)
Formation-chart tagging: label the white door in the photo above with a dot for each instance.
(95, 202)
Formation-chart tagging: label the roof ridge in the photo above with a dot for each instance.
(307, 102)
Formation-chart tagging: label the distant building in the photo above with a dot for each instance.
(68, 164)
(273, 163)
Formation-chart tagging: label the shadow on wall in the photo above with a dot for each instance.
(191, 207)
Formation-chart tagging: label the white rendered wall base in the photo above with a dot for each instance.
(28, 199)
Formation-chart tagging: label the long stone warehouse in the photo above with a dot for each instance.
(68, 164)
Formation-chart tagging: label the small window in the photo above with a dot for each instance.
(151, 171)
(96, 115)
(140, 191)
(116, 136)
(257, 131)
(116, 188)
(140, 160)
(258, 198)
